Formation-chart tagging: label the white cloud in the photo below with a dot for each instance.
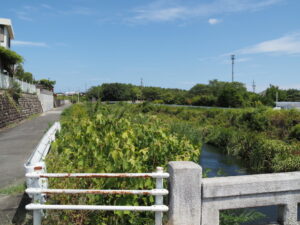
(163, 10)
(288, 44)
(81, 11)
(29, 44)
(46, 6)
(243, 59)
(30, 13)
(214, 21)
(227, 60)
(23, 16)
(167, 14)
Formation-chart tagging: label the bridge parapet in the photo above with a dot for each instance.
(222, 193)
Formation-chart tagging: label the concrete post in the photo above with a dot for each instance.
(210, 215)
(287, 214)
(185, 193)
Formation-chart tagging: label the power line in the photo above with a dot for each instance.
(142, 82)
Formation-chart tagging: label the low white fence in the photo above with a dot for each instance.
(6, 82)
(40, 193)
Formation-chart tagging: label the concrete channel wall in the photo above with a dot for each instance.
(198, 201)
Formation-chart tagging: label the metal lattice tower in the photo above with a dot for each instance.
(253, 86)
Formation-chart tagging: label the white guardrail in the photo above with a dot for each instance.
(7, 81)
(37, 185)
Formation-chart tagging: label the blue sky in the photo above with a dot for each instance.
(169, 43)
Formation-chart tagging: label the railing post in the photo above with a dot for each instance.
(38, 198)
(287, 214)
(37, 213)
(159, 198)
(185, 193)
(37, 217)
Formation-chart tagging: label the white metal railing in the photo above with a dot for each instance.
(36, 163)
(40, 193)
(37, 185)
(6, 82)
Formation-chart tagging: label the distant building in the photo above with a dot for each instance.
(6, 35)
(288, 105)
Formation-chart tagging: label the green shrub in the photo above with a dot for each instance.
(112, 139)
(15, 91)
(158, 102)
(295, 132)
(255, 120)
(240, 216)
(204, 100)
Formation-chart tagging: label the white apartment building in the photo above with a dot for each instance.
(6, 35)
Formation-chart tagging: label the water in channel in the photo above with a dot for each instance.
(214, 163)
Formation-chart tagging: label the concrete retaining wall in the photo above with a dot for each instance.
(46, 98)
(60, 102)
(11, 111)
(222, 193)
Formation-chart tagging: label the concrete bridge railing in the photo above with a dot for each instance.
(195, 200)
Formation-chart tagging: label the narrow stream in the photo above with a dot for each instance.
(214, 164)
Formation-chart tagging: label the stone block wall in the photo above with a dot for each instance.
(10, 111)
(30, 105)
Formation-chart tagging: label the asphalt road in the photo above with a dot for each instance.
(17, 143)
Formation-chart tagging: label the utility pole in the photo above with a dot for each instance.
(232, 75)
(142, 82)
(277, 96)
(253, 86)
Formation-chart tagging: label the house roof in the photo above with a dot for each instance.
(8, 24)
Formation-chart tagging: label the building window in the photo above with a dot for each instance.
(1, 33)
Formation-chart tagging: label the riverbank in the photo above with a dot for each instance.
(266, 139)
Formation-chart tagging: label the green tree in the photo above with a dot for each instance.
(269, 95)
(48, 84)
(216, 86)
(22, 75)
(152, 93)
(233, 95)
(9, 60)
(135, 93)
(200, 89)
(116, 92)
(94, 92)
(204, 100)
(293, 95)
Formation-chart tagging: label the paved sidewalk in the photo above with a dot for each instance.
(16, 145)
